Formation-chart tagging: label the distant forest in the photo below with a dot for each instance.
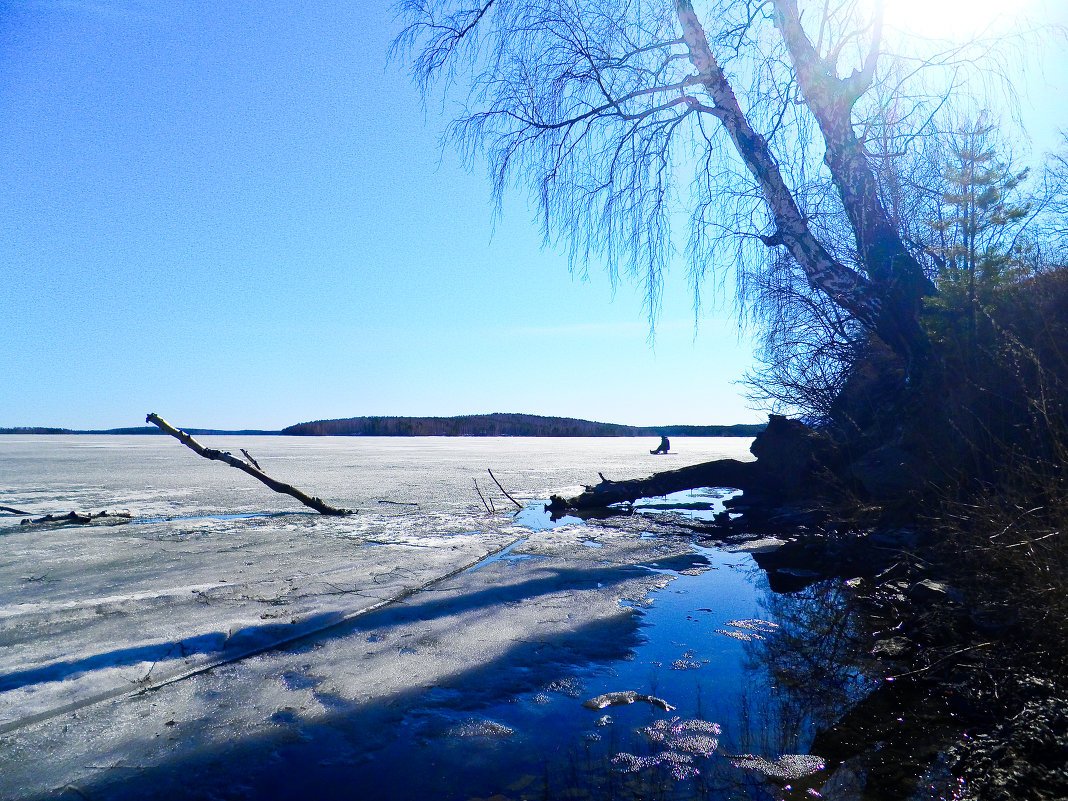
(469, 425)
(35, 430)
(504, 425)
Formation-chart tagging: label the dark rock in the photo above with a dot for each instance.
(995, 619)
(904, 538)
(887, 472)
(928, 590)
(791, 579)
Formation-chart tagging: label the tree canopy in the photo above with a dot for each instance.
(775, 132)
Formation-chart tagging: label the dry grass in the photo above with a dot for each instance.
(1001, 395)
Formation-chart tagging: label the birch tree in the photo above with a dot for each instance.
(749, 123)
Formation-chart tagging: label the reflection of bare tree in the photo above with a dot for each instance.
(878, 738)
(810, 662)
(802, 660)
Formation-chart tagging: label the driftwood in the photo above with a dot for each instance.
(12, 510)
(74, 517)
(222, 456)
(624, 698)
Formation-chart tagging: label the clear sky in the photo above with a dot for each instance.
(236, 214)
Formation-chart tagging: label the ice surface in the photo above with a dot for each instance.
(225, 635)
(127, 648)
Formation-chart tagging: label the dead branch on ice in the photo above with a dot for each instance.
(221, 456)
(489, 510)
(74, 517)
(12, 510)
(518, 505)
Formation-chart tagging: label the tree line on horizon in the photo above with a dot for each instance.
(505, 425)
(471, 425)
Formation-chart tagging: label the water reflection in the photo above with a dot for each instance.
(752, 698)
(800, 675)
(810, 659)
(809, 662)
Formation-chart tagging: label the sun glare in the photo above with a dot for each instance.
(952, 19)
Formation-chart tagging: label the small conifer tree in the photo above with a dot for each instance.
(976, 233)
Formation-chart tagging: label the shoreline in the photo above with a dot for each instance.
(985, 705)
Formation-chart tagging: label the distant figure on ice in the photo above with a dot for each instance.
(665, 446)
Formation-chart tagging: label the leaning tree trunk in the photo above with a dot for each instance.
(897, 276)
(887, 299)
(722, 473)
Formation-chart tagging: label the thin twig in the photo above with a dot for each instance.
(1036, 539)
(480, 495)
(1020, 517)
(940, 661)
(518, 505)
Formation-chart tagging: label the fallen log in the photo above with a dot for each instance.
(221, 456)
(721, 473)
(792, 461)
(75, 517)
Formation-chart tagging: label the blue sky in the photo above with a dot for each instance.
(236, 214)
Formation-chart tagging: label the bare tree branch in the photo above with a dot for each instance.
(221, 456)
(603, 111)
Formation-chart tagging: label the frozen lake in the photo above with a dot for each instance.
(228, 643)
